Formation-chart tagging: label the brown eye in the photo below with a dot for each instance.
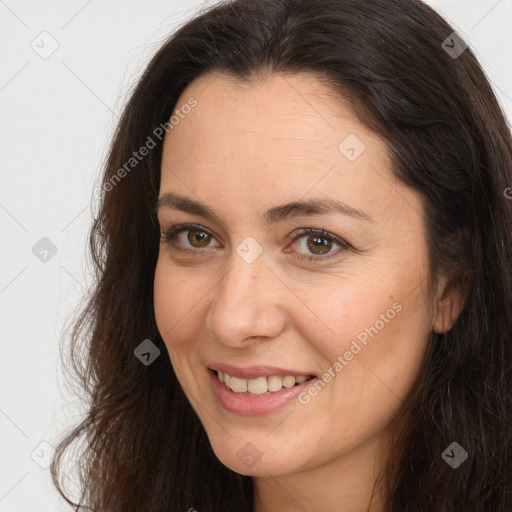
(319, 244)
(186, 237)
(313, 244)
(198, 238)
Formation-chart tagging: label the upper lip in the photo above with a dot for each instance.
(252, 372)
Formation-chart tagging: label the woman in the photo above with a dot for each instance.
(304, 271)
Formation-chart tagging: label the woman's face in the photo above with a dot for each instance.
(249, 292)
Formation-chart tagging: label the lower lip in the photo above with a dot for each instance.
(246, 405)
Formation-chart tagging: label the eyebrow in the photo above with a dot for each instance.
(272, 216)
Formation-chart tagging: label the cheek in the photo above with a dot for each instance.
(370, 333)
(176, 304)
(344, 312)
(370, 363)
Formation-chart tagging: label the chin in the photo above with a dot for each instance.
(256, 455)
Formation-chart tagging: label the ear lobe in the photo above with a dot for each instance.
(448, 305)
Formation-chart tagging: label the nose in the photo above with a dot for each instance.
(248, 303)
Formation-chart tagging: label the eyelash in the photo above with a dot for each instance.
(168, 235)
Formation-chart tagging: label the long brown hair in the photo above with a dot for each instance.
(145, 449)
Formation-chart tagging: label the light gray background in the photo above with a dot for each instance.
(57, 118)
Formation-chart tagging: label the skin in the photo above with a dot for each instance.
(244, 149)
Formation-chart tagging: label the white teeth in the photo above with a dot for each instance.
(238, 385)
(257, 386)
(260, 385)
(289, 381)
(274, 383)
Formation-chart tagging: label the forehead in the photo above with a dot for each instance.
(272, 109)
(281, 137)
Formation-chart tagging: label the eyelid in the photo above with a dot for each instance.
(298, 233)
(169, 233)
(322, 233)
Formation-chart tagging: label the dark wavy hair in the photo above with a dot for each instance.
(144, 447)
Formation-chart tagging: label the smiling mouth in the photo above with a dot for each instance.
(260, 386)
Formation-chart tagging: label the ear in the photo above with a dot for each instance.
(448, 305)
